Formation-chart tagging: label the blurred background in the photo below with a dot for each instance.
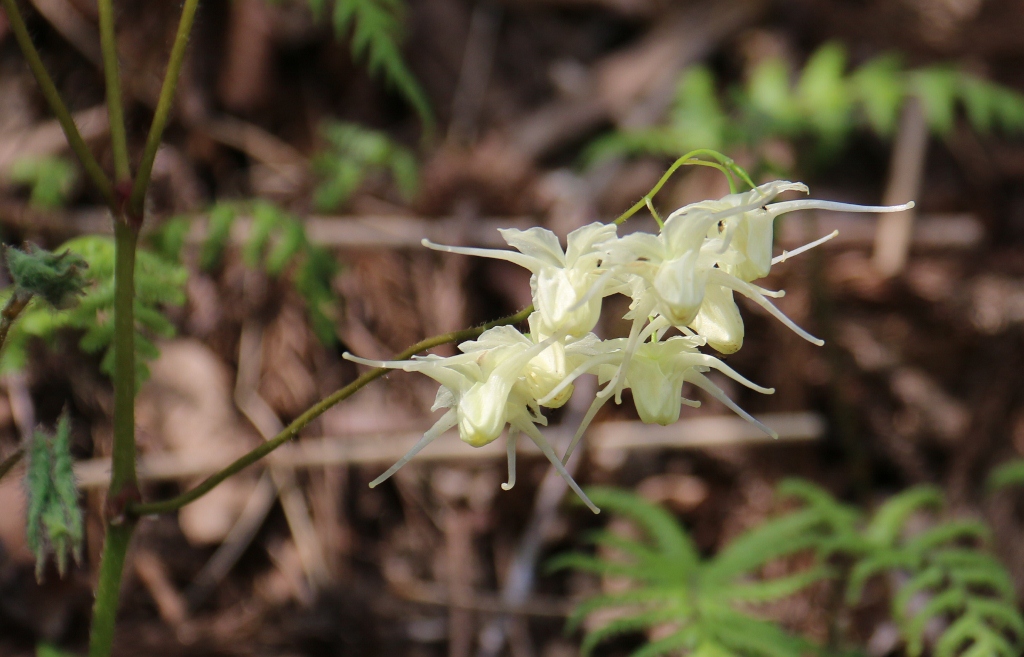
(315, 143)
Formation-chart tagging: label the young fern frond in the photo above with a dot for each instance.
(159, 283)
(49, 178)
(947, 575)
(826, 102)
(353, 153)
(888, 521)
(53, 519)
(1007, 474)
(375, 30)
(277, 243)
(704, 598)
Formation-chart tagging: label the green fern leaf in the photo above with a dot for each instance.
(626, 625)
(218, 234)
(50, 178)
(948, 532)
(782, 536)
(937, 88)
(773, 589)
(947, 602)
(888, 520)
(1001, 614)
(874, 564)
(880, 88)
(659, 524)
(680, 640)
(351, 154)
(375, 27)
(928, 579)
(1008, 474)
(823, 94)
(751, 636)
(633, 598)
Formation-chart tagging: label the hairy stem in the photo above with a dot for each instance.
(115, 107)
(11, 461)
(292, 430)
(123, 477)
(89, 163)
(163, 108)
(108, 589)
(124, 487)
(10, 312)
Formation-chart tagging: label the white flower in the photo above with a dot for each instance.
(484, 389)
(561, 279)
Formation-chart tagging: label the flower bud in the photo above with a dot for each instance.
(719, 320)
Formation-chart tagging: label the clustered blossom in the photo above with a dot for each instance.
(683, 279)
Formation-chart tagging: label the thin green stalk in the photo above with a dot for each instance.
(11, 461)
(124, 486)
(163, 108)
(724, 164)
(115, 106)
(123, 477)
(108, 589)
(292, 430)
(49, 89)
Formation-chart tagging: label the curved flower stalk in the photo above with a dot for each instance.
(684, 279)
(561, 279)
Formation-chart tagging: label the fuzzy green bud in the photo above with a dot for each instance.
(54, 518)
(57, 278)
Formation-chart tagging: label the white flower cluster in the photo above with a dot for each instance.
(683, 278)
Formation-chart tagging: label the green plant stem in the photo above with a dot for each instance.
(108, 589)
(124, 486)
(11, 461)
(163, 108)
(724, 164)
(115, 106)
(292, 430)
(89, 163)
(123, 477)
(10, 312)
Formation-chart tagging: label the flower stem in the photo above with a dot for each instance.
(124, 486)
(115, 106)
(292, 430)
(89, 163)
(163, 108)
(724, 164)
(108, 589)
